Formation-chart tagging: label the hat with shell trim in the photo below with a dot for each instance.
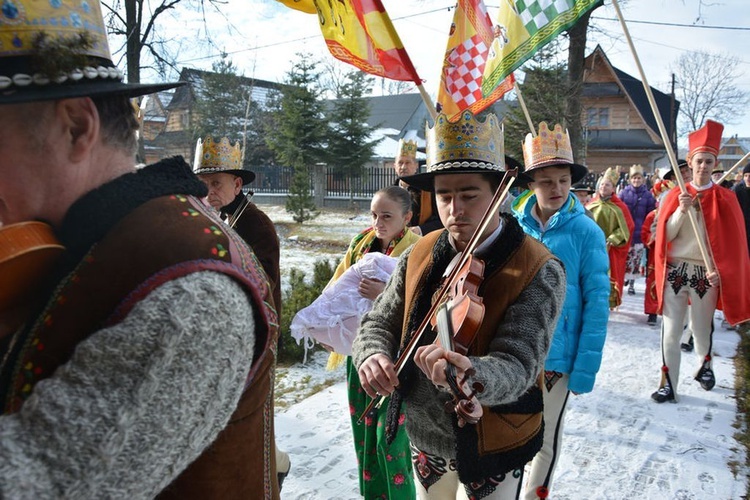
(469, 145)
(550, 148)
(212, 157)
(57, 49)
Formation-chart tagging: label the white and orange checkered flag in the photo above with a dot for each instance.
(470, 38)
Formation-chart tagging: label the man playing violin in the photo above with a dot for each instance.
(145, 368)
(522, 289)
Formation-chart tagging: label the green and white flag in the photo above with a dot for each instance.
(525, 26)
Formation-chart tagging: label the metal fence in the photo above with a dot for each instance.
(270, 179)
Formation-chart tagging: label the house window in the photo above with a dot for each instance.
(597, 117)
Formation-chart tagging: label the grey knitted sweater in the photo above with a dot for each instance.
(138, 401)
(515, 358)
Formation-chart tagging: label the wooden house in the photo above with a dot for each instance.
(619, 125)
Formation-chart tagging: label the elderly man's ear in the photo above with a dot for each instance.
(79, 119)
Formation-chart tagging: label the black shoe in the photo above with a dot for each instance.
(687, 346)
(663, 394)
(651, 319)
(706, 378)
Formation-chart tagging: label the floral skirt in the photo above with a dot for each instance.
(385, 471)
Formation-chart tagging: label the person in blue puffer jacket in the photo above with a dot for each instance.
(550, 213)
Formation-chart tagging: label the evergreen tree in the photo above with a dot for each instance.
(350, 147)
(222, 110)
(545, 92)
(298, 133)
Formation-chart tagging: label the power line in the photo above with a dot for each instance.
(677, 25)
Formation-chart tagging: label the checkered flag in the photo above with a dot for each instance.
(535, 14)
(464, 74)
(529, 25)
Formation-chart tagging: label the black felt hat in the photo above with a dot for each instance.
(58, 49)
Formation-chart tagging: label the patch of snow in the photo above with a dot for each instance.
(618, 443)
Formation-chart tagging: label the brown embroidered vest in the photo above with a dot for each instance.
(506, 437)
(161, 240)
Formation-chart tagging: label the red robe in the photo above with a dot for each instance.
(618, 257)
(650, 300)
(727, 242)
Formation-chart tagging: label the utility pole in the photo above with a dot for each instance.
(672, 118)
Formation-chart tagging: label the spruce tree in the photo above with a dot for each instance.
(350, 146)
(297, 132)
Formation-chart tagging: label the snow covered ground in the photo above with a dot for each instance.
(618, 443)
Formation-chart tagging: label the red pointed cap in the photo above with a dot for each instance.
(706, 139)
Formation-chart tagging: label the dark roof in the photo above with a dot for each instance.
(177, 138)
(634, 89)
(621, 139)
(397, 111)
(185, 95)
(637, 93)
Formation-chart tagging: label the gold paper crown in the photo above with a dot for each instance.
(214, 157)
(407, 149)
(549, 147)
(636, 169)
(466, 143)
(612, 175)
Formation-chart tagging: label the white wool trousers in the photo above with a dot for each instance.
(543, 465)
(686, 283)
(449, 487)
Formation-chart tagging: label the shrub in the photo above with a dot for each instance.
(297, 296)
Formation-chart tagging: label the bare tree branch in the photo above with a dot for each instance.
(706, 89)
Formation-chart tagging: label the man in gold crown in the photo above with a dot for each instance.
(549, 212)
(219, 166)
(681, 274)
(522, 291)
(425, 218)
(118, 384)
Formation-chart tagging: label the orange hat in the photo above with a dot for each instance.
(706, 139)
(661, 187)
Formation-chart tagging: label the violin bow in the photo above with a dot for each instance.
(497, 200)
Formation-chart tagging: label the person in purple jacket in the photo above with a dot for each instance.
(640, 202)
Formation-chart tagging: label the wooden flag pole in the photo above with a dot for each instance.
(729, 172)
(428, 101)
(524, 108)
(665, 138)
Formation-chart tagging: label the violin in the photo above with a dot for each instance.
(469, 310)
(459, 296)
(28, 251)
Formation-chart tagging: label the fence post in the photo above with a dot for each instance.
(319, 184)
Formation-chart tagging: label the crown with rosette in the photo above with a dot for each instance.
(407, 148)
(212, 157)
(467, 146)
(57, 49)
(550, 148)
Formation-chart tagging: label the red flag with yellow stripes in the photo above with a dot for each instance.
(360, 32)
